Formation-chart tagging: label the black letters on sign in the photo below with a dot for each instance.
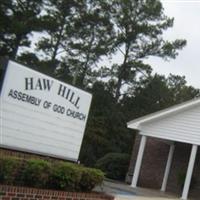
(38, 84)
(32, 83)
(68, 94)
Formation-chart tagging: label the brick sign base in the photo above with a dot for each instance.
(23, 193)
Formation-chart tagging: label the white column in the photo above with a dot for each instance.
(139, 161)
(168, 166)
(189, 172)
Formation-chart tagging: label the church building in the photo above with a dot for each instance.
(165, 154)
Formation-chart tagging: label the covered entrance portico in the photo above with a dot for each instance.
(180, 123)
(168, 166)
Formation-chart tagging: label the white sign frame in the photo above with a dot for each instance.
(41, 115)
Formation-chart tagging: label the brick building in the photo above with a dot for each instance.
(166, 150)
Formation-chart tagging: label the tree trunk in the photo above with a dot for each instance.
(53, 57)
(118, 87)
(82, 78)
(16, 46)
(121, 71)
(85, 67)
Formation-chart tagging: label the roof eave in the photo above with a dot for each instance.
(135, 124)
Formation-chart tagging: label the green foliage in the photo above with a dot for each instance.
(35, 173)
(115, 165)
(155, 93)
(18, 19)
(43, 174)
(9, 168)
(77, 34)
(106, 131)
(68, 42)
(90, 177)
(140, 26)
(57, 22)
(65, 176)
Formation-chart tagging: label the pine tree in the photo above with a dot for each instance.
(19, 18)
(92, 37)
(140, 25)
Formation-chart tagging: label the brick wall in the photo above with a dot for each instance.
(22, 193)
(154, 162)
(25, 155)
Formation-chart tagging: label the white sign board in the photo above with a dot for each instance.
(40, 114)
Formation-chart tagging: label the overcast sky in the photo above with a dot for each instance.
(186, 15)
(187, 26)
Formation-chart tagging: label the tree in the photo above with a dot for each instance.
(19, 18)
(90, 43)
(140, 25)
(79, 33)
(179, 89)
(57, 24)
(106, 130)
(56, 20)
(45, 66)
(155, 93)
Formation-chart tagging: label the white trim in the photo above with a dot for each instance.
(189, 172)
(168, 166)
(135, 124)
(139, 161)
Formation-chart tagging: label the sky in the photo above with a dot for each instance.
(186, 26)
(186, 15)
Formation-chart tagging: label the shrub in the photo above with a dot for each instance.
(65, 176)
(44, 174)
(90, 178)
(115, 165)
(9, 168)
(35, 173)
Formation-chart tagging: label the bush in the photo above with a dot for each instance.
(44, 174)
(115, 165)
(65, 176)
(9, 168)
(90, 178)
(35, 173)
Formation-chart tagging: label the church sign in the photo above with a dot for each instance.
(40, 114)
